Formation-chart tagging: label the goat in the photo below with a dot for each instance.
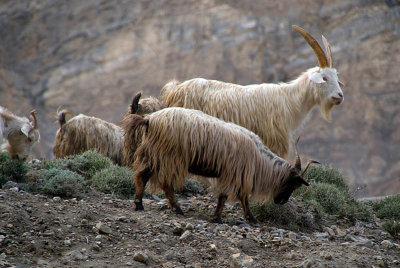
(272, 111)
(179, 141)
(82, 133)
(141, 107)
(20, 133)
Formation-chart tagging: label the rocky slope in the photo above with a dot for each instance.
(92, 56)
(101, 231)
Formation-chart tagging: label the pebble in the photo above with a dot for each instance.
(189, 226)
(103, 228)
(329, 231)
(213, 248)
(140, 257)
(185, 235)
(57, 199)
(241, 260)
(178, 230)
(386, 244)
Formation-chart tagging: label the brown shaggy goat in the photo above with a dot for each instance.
(82, 133)
(180, 141)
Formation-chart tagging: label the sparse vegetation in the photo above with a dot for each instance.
(389, 210)
(11, 169)
(293, 215)
(328, 194)
(114, 180)
(63, 183)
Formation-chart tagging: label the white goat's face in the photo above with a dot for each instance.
(21, 141)
(329, 83)
(328, 92)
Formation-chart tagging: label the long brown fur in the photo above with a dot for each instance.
(177, 139)
(82, 133)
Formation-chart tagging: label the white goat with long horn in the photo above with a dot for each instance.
(272, 111)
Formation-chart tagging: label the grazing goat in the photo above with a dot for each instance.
(180, 141)
(21, 134)
(82, 133)
(272, 111)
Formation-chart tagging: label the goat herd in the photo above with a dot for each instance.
(237, 136)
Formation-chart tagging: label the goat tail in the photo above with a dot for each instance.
(61, 116)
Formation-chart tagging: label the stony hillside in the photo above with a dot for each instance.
(92, 56)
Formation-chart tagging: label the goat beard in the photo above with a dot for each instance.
(326, 108)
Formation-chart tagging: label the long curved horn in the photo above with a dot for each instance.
(297, 165)
(33, 114)
(308, 164)
(322, 60)
(328, 51)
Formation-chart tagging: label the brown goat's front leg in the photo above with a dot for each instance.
(170, 195)
(247, 211)
(141, 178)
(220, 206)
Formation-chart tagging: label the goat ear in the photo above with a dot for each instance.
(25, 129)
(316, 77)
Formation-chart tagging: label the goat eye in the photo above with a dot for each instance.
(325, 78)
(29, 139)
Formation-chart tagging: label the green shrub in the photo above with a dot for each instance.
(329, 197)
(86, 164)
(63, 183)
(388, 208)
(326, 174)
(193, 187)
(329, 193)
(11, 169)
(294, 215)
(114, 180)
(392, 227)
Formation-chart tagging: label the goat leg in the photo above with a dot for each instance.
(141, 178)
(220, 206)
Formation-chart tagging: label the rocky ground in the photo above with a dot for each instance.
(102, 231)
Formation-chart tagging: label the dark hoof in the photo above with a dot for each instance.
(253, 221)
(139, 207)
(178, 211)
(255, 224)
(217, 220)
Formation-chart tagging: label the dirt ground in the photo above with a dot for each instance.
(102, 231)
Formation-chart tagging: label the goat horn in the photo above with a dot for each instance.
(323, 62)
(297, 165)
(33, 114)
(135, 103)
(328, 51)
(308, 164)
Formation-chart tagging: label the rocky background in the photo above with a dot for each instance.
(92, 56)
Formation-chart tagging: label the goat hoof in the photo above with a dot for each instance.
(178, 211)
(217, 220)
(139, 207)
